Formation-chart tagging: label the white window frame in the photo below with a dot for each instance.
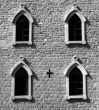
(13, 72)
(74, 64)
(69, 13)
(22, 11)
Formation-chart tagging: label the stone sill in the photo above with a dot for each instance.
(75, 42)
(76, 97)
(21, 97)
(22, 42)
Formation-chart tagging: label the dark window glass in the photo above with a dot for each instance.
(75, 82)
(21, 82)
(75, 28)
(22, 29)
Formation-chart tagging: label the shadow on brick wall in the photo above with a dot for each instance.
(79, 45)
(79, 100)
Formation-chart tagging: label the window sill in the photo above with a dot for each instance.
(76, 97)
(75, 42)
(21, 97)
(22, 42)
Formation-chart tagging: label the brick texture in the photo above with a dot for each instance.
(49, 51)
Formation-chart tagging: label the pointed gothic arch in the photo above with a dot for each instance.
(73, 10)
(22, 12)
(24, 30)
(21, 81)
(19, 65)
(78, 34)
(75, 64)
(75, 75)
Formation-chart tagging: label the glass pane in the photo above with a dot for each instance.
(26, 38)
(75, 82)
(21, 82)
(22, 29)
(26, 32)
(19, 35)
(78, 37)
(75, 28)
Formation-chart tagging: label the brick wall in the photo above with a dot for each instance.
(49, 51)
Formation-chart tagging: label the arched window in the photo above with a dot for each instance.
(21, 81)
(74, 26)
(22, 27)
(75, 81)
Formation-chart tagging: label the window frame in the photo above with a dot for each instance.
(74, 64)
(21, 12)
(68, 14)
(13, 72)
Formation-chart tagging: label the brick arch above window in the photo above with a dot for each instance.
(68, 14)
(23, 12)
